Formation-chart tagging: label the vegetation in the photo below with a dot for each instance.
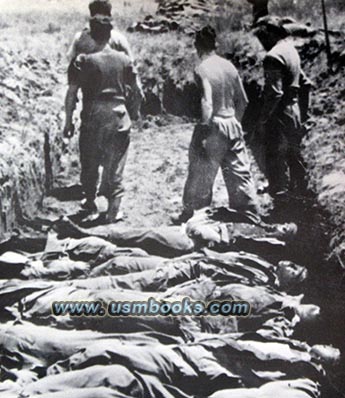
(34, 37)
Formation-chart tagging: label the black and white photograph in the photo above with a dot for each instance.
(172, 213)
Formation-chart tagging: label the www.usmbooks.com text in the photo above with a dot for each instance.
(151, 307)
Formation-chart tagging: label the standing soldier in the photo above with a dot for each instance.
(218, 140)
(279, 126)
(91, 40)
(110, 96)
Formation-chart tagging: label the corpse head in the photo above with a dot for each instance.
(289, 274)
(308, 312)
(326, 354)
(286, 232)
(203, 235)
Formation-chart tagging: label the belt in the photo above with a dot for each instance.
(291, 95)
(110, 97)
(109, 94)
(225, 114)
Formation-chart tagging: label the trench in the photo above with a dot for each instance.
(325, 285)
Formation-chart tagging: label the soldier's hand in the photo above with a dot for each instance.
(204, 144)
(68, 130)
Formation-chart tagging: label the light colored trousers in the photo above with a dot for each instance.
(220, 144)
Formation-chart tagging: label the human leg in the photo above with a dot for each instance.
(296, 164)
(114, 164)
(277, 172)
(114, 141)
(89, 160)
(290, 126)
(236, 169)
(205, 153)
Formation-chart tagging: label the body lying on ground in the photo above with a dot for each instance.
(203, 230)
(299, 388)
(231, 267)
(266, 303)
(116, 377)
(219, 228)
(211, 362)
(45, 349)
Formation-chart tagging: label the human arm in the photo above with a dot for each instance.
(120, 43)
(71, 99)
(134, 94)
(205, 90)
(206, 102)
(72, 51)
(71, 96)
(240, 99)
(304, 95)
(273, 90)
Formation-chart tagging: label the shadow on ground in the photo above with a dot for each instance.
(69, 193)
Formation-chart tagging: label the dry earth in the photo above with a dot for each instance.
(34, 38)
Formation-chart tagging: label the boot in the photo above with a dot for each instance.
(113, 213)
(183, 217)
(88, 205)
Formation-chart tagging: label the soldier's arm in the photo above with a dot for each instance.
(304, 95)
(273, 90)
(206, 101)
(240, 99)
(134, 95)
(72, 51)
(71, 98)
(205, 89)
(120, 43)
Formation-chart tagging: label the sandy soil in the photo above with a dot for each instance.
(154, 176)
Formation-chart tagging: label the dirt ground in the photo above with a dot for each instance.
(154, 176)
(158, 158)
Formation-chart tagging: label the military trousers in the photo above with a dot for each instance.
(219, 145)
(285, 168)
(104, 141)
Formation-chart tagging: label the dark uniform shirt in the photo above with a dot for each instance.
(105, 74)
(282, 66)
(83, 43)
